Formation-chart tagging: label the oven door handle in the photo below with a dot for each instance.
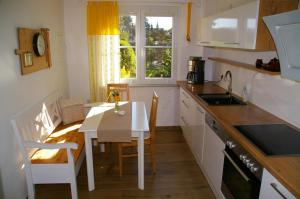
(274, 186)
(236, 166)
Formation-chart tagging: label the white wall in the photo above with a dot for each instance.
(187, 49)
(168, 111)
(19, 91)
(78, 69)
(77, 49)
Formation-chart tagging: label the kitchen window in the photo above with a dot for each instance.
(147, 47)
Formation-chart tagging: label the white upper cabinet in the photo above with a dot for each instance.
(204, 31)
(242, 27)
(248, 21)
(234, 28)
(225, 29)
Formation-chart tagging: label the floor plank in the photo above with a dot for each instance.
(178, 175)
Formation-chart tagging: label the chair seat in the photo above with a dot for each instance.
(62, 134)
(146, 136)
(135, 143)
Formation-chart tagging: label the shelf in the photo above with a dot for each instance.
(242, 65)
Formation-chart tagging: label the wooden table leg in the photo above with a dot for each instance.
(141, 160)
(89, 161)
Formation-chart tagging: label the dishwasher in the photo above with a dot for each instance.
(213, 157)
(237, 174)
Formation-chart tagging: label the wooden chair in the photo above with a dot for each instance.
(122, 88)
(149, 139)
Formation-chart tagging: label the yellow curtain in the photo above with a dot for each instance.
(103, 43)
(188, 21)
(103, 18)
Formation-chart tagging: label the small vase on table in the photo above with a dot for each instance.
(116, 96)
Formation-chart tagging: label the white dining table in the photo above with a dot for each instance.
(139, 126)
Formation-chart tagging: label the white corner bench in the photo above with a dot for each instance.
(52, 152)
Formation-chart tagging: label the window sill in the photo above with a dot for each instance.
(152, 85)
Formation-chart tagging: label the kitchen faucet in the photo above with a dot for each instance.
(229, 89)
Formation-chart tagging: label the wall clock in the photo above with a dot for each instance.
(39, 44)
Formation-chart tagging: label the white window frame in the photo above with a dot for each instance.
(141, 11)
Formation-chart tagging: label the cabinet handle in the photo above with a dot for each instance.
(236, 166)
(199, 109)
(182, 118)
(187, 106)
(274, 185)
(185, 95)
(234, 43)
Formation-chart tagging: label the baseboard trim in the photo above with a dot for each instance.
(168, 128)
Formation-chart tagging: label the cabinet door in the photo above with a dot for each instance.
(198, 134)
(248, 22)
(213, 159)
(205, 31)
(271, 188)
(185, 115)
(243, 26)
(183, 123)
(225, 29)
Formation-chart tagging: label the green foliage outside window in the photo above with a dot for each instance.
(158, 59)
(127, 53)
(128, 60)
(158, 62)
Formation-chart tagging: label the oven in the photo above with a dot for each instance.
(241, 177)
(241, 173)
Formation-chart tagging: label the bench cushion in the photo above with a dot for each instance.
(71, 110)
(62, 134)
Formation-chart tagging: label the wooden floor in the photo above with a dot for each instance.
(178, 175)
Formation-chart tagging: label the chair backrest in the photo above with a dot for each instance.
(153, 114)
(123, 89)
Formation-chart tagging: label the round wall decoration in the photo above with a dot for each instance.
(39, 44)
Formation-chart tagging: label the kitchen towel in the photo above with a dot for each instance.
(114, 127)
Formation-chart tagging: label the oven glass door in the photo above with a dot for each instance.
(237, 181)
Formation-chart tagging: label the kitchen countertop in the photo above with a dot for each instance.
(285, 168)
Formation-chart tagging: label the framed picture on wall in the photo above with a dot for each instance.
(28, 59)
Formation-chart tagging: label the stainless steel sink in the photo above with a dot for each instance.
(220, 99)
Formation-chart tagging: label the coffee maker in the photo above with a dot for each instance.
(195, 70)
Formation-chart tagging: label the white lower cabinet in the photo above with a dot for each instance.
(192, 123)
(213, 160)
(208, 148)
(271, 188)
(186, 115)
(205, 145)
(198, 133)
